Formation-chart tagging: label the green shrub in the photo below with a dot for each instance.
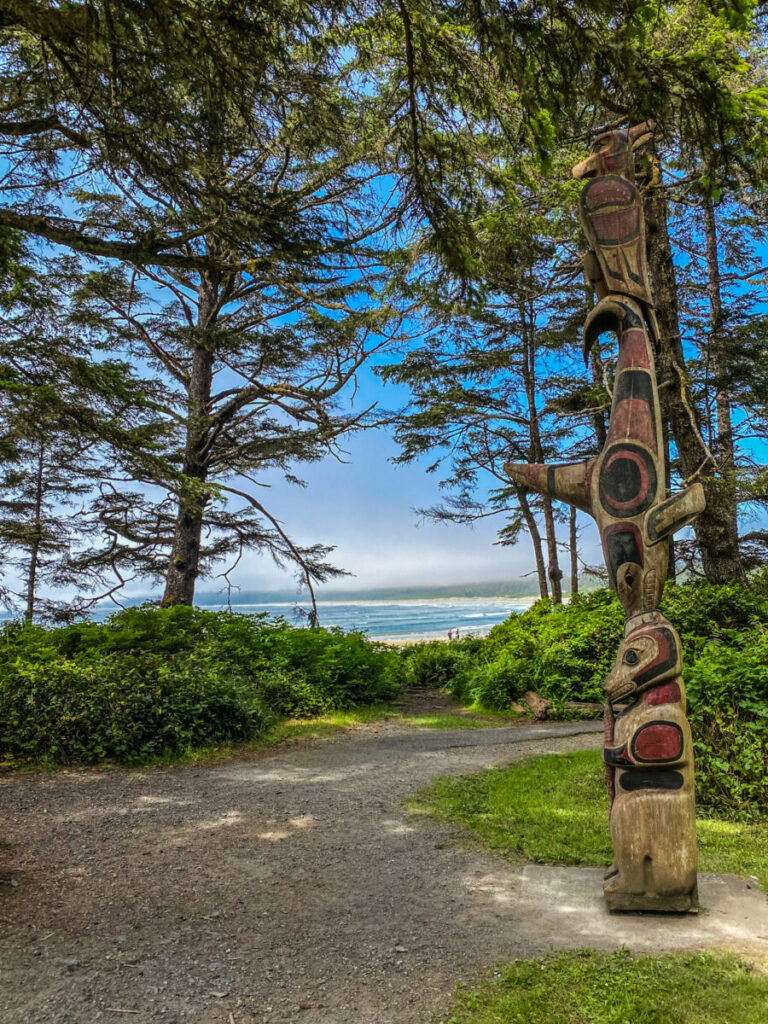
(435, 664)
(701, 611)
(152, 681)
(495, 684)
(290, 695)
(126, 708)
(727, 688)
(731, 748)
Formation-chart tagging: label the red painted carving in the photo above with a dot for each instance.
(632, 418)
(634, 351)
(616, 226)
(667, 693)
(661, 742)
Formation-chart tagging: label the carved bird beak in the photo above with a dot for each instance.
(586, 169)
(617, 690)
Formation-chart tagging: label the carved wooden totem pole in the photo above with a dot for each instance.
(648, 749)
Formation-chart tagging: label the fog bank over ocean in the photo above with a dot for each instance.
(520, 587)
(391, 613)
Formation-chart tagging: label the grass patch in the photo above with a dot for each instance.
(554, 810)
(292, 730)
(455, 720)
(588, 987)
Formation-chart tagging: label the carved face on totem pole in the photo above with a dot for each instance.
(612, 214)
(649, 764)
(623, 489)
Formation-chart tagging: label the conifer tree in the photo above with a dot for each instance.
(69, 422)
(234, 174)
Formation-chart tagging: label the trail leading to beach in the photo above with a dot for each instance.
(289, 886)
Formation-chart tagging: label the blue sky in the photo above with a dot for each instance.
(365, 507)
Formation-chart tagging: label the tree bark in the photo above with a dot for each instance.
(713, 528)
(554, 572)
(724, 452)
(184, 563)
(535, 534)
(34, 549)
(574, 551)
(671, 566)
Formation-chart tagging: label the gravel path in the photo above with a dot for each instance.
(293, 882)
(290, 886)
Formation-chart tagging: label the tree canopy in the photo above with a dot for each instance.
(245, 202)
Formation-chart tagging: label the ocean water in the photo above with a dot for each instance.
(383, 620)
(401, 620)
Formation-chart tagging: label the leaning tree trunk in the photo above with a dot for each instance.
(535, 535)
(184, 563)
(724, 452)
(574, 551)
(554, 572)
(672, 569)
(713, 530)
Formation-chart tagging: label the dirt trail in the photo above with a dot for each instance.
(289, 886)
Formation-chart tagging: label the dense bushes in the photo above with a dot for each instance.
(156, 681)
(565, 653)
(124, 708)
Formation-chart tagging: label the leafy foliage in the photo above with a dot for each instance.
(150, 682)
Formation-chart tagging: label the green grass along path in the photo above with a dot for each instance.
(554, 810)
(589, 987)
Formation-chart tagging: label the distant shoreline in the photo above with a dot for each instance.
(374, 601)
(518, 589)
(398, 621)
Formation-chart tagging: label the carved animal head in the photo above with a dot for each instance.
(650, 654)
(613, 152)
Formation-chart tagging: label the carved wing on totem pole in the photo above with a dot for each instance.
(648, 748)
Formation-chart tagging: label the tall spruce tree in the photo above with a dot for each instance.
(71, 418)
(237, 179)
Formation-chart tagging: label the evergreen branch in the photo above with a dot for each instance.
(149, 250)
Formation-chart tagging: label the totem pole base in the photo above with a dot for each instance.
(686, 903)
